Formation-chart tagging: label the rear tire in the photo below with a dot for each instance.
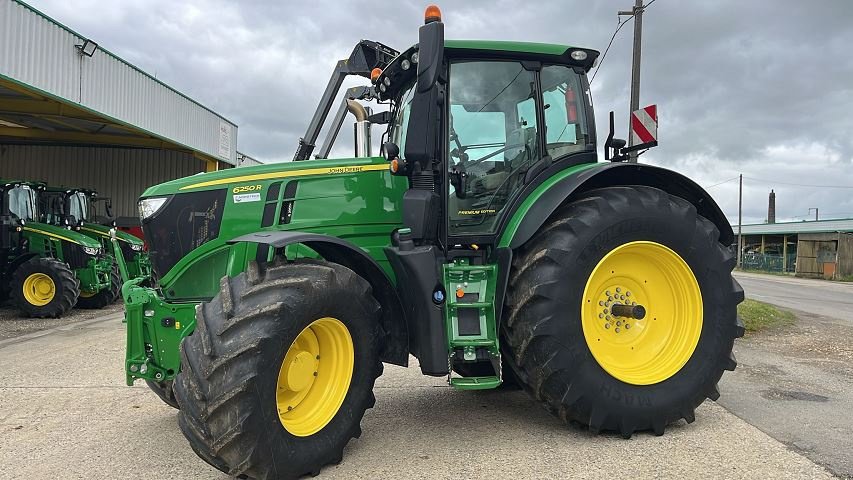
(44, 287)
(231, 369)
(164, 390)
(547, 335)
(104, 297)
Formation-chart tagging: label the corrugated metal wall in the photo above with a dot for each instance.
(120, 173)
(40, 52)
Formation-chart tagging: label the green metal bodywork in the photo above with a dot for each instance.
(505, 46)
(357, 200)
(47, 240)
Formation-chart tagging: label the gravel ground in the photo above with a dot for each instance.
(68, 415)
(13, 324)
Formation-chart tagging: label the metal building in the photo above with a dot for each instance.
(72, 113)
(822, 248)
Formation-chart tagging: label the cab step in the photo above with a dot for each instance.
(475, 383)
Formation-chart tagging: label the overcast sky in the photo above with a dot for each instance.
(762, 88)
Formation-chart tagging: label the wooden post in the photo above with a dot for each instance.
(784, 253)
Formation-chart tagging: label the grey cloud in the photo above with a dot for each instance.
(760, 88)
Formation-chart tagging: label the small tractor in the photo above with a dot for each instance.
(45, 268)
(487, 242)
(75, 208)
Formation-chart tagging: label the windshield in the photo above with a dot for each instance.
(22, 202)
(78, 206)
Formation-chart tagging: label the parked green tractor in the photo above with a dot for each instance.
(76, 207)
(488, 242)
(45, 268)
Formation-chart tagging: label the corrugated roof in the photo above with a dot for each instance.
(38, 55)
(785, 228)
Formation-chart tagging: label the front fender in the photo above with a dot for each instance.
(395, 348)
(533, 209)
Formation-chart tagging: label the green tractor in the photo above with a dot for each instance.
(75, 207)
(45, 268)
(488, 242)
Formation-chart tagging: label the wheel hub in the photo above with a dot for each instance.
(301, 371)
(618, 309)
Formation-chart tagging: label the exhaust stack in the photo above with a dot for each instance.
(362, 128)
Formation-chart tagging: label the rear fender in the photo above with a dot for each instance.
(535, 209)
(395, 347)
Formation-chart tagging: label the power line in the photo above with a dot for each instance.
(774, 182)
(720, 183)
(618, 27)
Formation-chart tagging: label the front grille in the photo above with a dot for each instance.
(184, 223)
(74, 255)
(128, 253)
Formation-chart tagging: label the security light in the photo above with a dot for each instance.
(87, 48)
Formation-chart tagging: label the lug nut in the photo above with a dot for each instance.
(601, 303)
(617, 329)
(600, 315)
(618, 289)
(627, 326)
(607, 293)
(618, 323)
(606, 325)
(628, 294)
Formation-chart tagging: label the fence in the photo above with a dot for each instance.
(768, 262)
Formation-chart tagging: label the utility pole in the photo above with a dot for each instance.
(740, 221)
(815, 213)
(637, 12)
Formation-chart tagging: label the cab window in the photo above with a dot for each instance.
(493, 140)
(565, 119)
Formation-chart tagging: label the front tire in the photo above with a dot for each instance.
(44, 287)
(644, 372)
(104, 297)
(280, 369)
(165, 391)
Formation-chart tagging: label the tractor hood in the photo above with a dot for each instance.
(60, 233)
(246, 175)
(104, 231)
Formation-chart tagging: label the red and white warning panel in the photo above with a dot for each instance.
(644, 127)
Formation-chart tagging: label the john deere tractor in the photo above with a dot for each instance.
(487, 242)
(74, 207)
(45, 268)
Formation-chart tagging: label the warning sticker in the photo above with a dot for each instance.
(247, 197)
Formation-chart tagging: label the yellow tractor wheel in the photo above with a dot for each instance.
(624, 311)
(281, 367)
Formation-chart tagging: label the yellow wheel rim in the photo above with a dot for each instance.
(39, 289)
(647, 350)
(314, 377)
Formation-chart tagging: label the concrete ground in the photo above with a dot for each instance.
(796, 382)
(65, 413)
(13, 324)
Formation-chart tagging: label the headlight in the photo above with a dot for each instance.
(150, 206)
(136, 247)
(91, 250)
